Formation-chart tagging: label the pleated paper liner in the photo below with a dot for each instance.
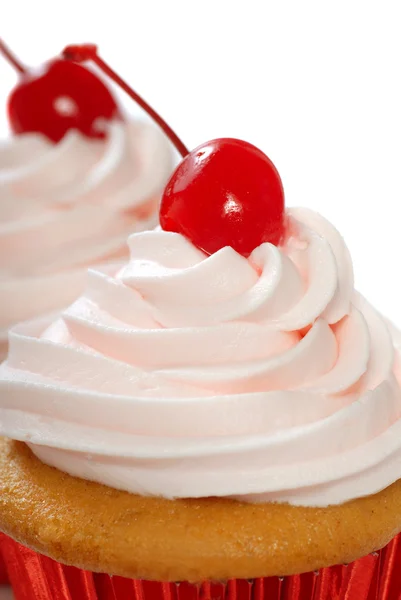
(36, 577)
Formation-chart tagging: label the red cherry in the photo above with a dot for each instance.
(96, 102)
(59, 96)
(225, 193)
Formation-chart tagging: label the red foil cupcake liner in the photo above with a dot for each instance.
(3, 569)
(36, 577)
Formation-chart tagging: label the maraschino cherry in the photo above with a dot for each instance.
(59, 96)
(226, 192)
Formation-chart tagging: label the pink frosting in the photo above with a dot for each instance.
(66, 206)
(186, 375)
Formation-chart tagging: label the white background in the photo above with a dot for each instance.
(314, 83)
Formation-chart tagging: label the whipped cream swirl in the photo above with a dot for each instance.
(186, 375)
(67, 206)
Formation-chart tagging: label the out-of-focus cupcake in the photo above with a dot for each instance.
(205, 418)
(66, 206)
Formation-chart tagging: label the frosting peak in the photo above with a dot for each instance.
(186, 375)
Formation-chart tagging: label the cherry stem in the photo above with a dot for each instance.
(85, 52)
(12, 59)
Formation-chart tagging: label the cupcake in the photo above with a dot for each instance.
(218, 418)
(71, 190)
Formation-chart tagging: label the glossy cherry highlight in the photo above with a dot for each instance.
(59, 96)
(226, 192)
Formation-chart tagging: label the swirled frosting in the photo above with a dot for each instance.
(67, 206)
(186, 375)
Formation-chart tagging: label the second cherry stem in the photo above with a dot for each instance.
(84, 52)
(12, 59)
(176, 141)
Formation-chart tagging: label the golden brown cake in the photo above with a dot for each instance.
(105, 530)
(209, 411)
